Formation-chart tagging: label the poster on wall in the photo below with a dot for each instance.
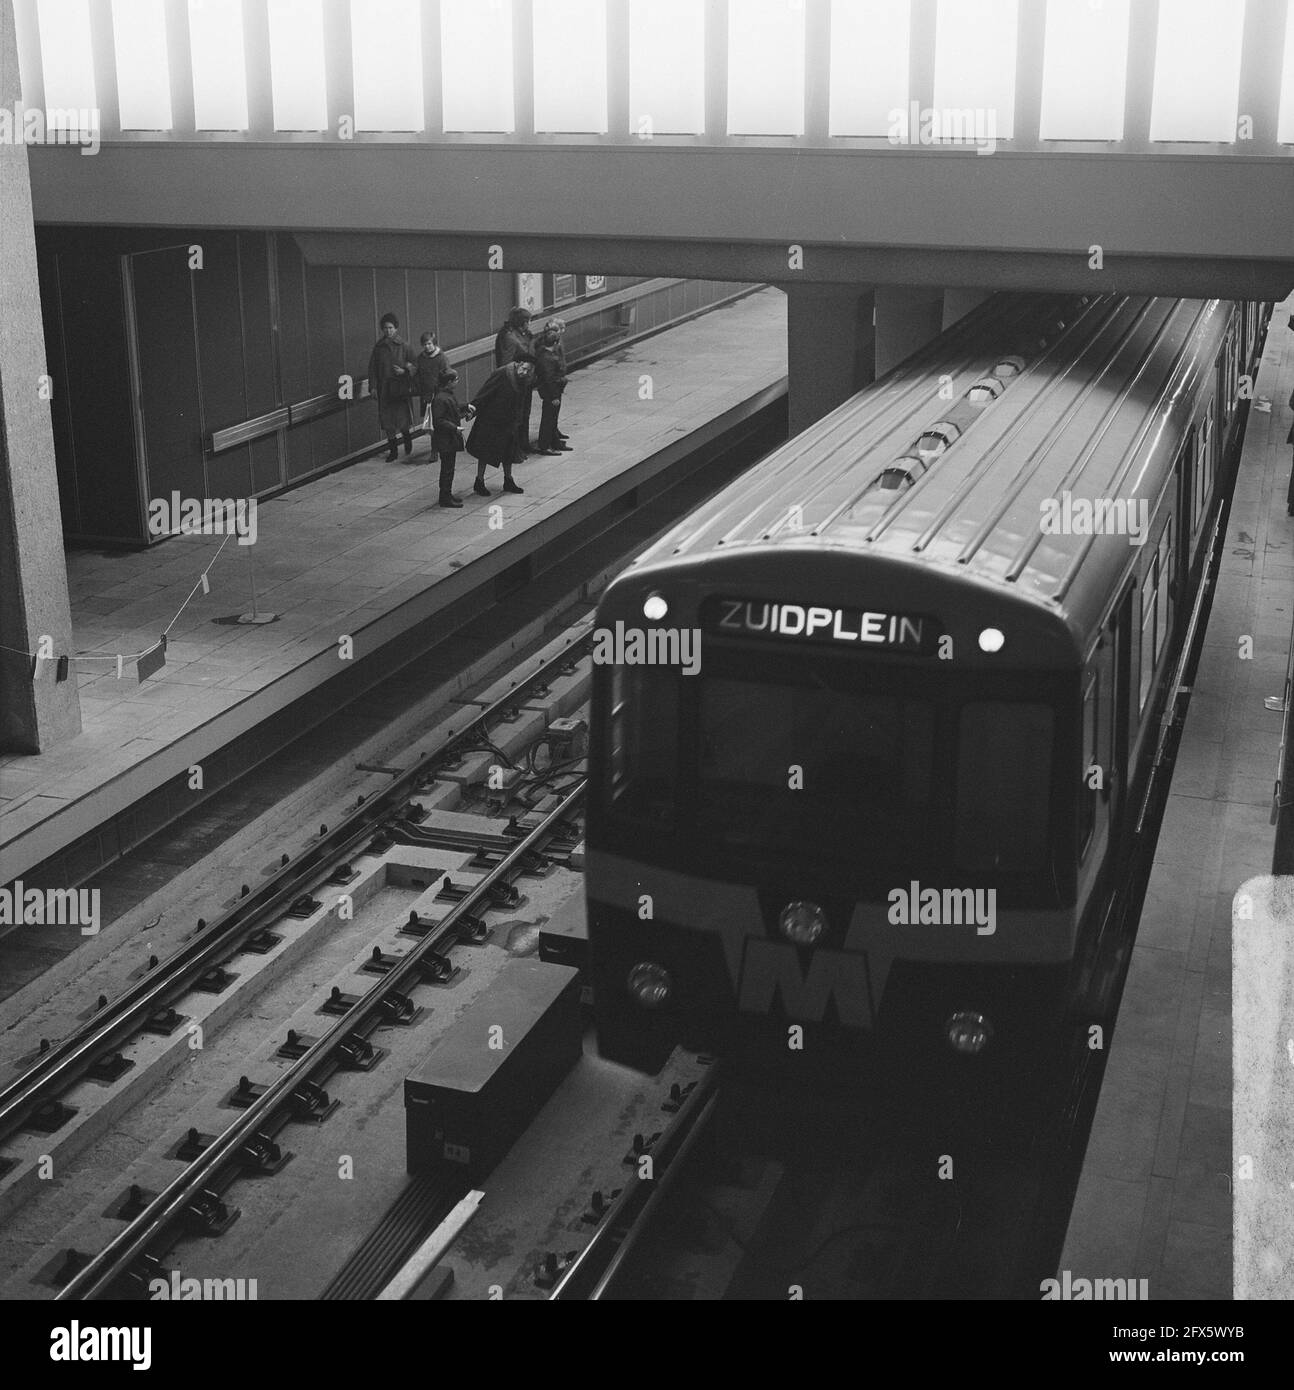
(564, 289)
(594, 284)
(530, 291)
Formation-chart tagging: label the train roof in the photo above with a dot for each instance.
(1094, 398)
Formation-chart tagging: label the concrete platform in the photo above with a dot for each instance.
(363, 553)
(1155, 1200)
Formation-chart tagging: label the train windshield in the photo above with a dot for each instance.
(886, 770)
(836, 769)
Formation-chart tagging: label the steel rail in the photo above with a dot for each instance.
(58, 1069)
(169, 1208)
(590, 1274)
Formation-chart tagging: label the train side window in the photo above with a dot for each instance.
(1149, 650)
(1168, 563)
(1196, 456)
(1088, 794)
(1165, 561)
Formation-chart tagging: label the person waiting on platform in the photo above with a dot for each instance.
(431, 366)
(392, 381)
(550, 382)
(447, 417)
(560, 326)
(493, 440)
(514, 342)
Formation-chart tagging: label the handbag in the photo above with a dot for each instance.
(400, 388)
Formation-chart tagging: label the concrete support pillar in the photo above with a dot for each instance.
(34, 713)
(907, 317)
(830, 348)
(959, 302)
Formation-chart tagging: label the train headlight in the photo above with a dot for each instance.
(968, 1032)
(802, 923)
(655, 607)
(991, 640)
(650, 984)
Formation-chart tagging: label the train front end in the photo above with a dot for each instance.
(832, 816)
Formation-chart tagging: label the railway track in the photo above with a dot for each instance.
(594, 1273)
(194, 1201)
(62, 1064)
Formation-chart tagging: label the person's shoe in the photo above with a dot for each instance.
(561, 447)
(392, 456)
(549, 453)
(480, 489)
(510, 486)
(447, 499)
(408, 444)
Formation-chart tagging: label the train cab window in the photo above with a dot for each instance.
(1003, 787)
(1088, 794)
(865, 764)
(644, 743)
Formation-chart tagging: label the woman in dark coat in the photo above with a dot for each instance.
(514, 342)
(389, 369)
(493, 440)
(446, 438)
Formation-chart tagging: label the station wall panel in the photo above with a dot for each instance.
(451, 300)
(254, 330)
(260, 368)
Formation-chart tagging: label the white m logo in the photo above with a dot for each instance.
(771, 967)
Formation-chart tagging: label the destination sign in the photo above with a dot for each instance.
(811, 622)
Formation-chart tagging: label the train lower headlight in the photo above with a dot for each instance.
(650, 984)
(968, 1032)
(802, 923)
(655, 607)
(991, 640)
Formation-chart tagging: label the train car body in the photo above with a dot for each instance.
(860, 786)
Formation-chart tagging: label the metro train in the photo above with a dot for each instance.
(882, 817)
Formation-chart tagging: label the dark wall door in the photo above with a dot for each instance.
(167, 398)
